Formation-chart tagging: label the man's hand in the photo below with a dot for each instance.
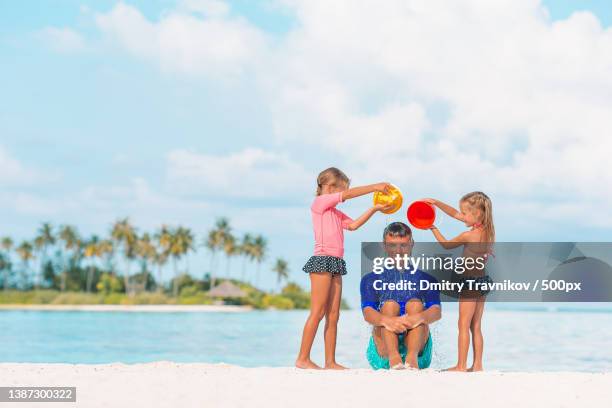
(394, 324)
(410, 322)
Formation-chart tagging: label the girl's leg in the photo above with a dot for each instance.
(331, 322)
(477, 339)
(466, 312)
(320, 283)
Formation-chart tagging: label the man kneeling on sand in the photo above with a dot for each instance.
(401, 318)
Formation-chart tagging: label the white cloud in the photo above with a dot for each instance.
(439, 96)
(64, 40)
(95, 207)
(527, 101)
(206, 7)
(251, 173)
(14, 173)
(217, 45)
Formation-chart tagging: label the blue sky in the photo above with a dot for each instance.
(236, 106)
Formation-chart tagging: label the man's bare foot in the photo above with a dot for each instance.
(456, 368)
(475, 368)
(396, 361)
(307, 365)
(335, 366)
(412, 362)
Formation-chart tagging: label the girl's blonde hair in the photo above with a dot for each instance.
(331, 175)
(482, 202)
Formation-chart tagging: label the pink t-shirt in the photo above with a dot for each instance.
(329, 224)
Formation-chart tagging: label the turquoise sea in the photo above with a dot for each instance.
(517, 337)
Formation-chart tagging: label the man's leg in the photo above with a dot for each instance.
(416, 338)
(391, 308)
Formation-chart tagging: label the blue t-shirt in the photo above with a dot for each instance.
(375, 298)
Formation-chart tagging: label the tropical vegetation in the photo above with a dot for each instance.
(128, 266)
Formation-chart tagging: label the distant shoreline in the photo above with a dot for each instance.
(129, 308)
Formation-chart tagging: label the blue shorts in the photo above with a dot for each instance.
(378, 362)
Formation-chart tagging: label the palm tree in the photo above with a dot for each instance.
(259, 253)
(25, 251)
(164, 243)
(5, 266)
(93, 250)
(230, 249)
(281, 268)
(71, 241)
(147, 253)
(215, 241)
(7, 245)
(124, 234)
(42, 242)
(246, 251)
(106, 252)
(212, 244)
(160, 259)
(182, 243)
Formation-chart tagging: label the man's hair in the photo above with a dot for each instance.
(397, 229)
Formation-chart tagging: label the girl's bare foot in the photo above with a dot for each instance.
(335, 366)
(399, 366)
(456, 368)
(475, 368)
(307, 365)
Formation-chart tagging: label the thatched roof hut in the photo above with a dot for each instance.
(226, 289)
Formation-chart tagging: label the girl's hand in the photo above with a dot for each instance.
(383, 207)
(431, 201)
(383, 187)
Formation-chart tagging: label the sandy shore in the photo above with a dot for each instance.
(130, 308)
(166, 384)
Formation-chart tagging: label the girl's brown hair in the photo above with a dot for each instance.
(331, 176)
(482, 202)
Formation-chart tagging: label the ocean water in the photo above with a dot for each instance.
(540, 338)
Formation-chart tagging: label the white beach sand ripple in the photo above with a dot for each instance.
(167, 384)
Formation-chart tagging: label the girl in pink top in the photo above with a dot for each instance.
(326, 266)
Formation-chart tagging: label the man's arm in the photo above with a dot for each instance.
(375, 318)
(427, 316)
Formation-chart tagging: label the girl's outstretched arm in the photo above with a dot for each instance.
(363, 190)
(459, 240)
(446, 208)
(363, 218)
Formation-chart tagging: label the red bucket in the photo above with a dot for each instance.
(421, 215)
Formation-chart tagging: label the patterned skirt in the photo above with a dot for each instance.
(325, 263)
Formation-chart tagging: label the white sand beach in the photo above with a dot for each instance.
(167, 384)
(129, 308)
